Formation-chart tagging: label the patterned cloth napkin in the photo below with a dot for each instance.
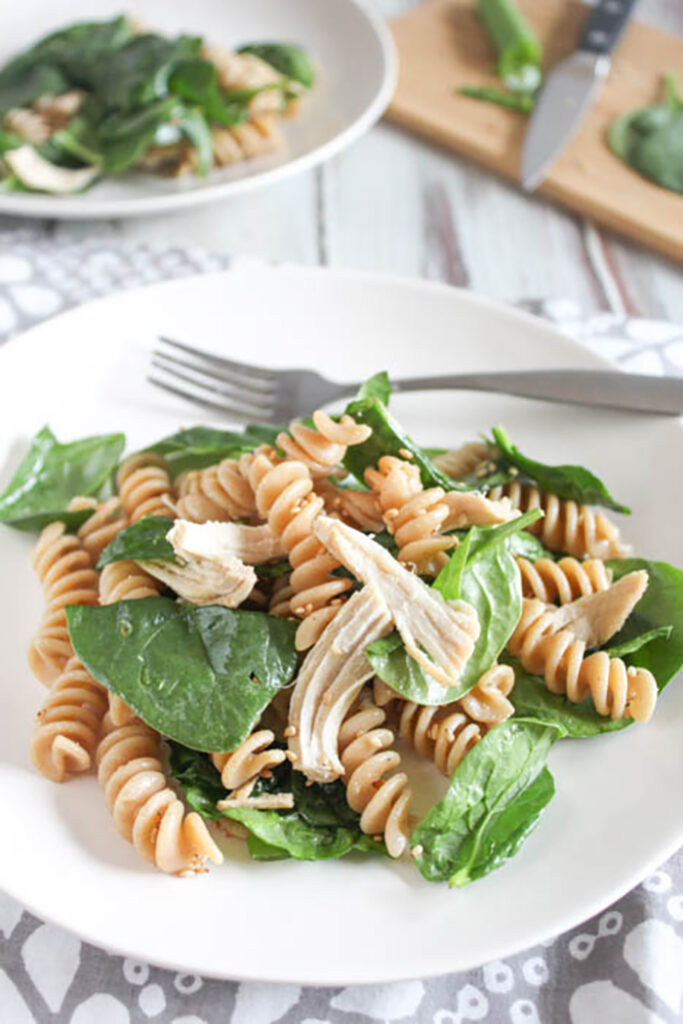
(625, 966)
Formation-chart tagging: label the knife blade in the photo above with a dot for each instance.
(570, 89)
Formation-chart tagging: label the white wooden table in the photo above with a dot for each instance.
(396, 204)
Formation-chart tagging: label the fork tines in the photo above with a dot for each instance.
(236, 389)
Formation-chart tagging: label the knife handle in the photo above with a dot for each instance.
(604, 25)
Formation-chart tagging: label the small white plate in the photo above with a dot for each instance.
(619, 805)
(350, 44)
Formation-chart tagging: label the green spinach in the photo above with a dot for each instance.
(388, 438)
(483, 572)
(574, 483)
(199, 447)
(378, 386)
(143, 540)
(291, 61)
(650, 140)
(51, 474)
(201, 676)
(495, 799)
(532, 699)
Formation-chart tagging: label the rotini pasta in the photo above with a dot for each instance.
(413, 515)
(145, 487)
(219, 493)
(145, 810)
(444, 735)
(68, 724)
(107, 520)
(321, 449)
(487, 701)
(240, 770)
(617, 690)
(65, 571)
(562, 581)
(381, 799)
(574, 529)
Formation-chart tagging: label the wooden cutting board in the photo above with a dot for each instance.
(442, 46)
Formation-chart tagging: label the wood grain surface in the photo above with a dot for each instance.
(442, 46)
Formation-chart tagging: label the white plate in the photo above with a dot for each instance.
(351, 45)
(619, 804)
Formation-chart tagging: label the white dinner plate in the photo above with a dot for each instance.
(618, 811)
(350, 44)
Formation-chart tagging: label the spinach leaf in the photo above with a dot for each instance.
(199, 447)
(195, 127)
(660, 606)
(144, 539)
(196, 82)
(123, 137)
(23, 89)
(199, 779)
(273, 570)
(532, 699)
(387, 438)
(51, 474)
(574, 483)
(638, 640)
(650, 140)
(495, 799)
(378, 386)
(291, 61)
(201, 676)
(483, 572)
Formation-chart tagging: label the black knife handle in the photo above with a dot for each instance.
(605, 24)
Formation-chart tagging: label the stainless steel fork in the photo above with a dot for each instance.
(247, 392)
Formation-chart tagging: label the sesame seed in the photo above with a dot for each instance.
(291, 730)
(405, 454)
(417, 851)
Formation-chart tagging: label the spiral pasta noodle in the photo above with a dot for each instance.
(575, 529)
(219, 493)
(562, 581)
(322, 447)
(240, 769)
(617, 690)
(467, 459)
(68, 724)
(413, 515)
(286, 499)
(145, 487)
(65, 571)
(383, 802)
(106, 522)
(444, 735)
(487, 701)
(145, 810)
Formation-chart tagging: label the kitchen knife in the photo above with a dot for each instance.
(570, 89)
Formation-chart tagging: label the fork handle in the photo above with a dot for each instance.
(608, 388)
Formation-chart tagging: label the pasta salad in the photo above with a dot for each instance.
(245, 631)
(97, 99)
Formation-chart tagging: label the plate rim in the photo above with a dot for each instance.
(581, 911)
(39, 206)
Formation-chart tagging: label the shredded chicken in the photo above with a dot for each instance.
(439, 634)
(597, 617)
(225, 581)
(330, 680)
(470, 508)
(262, 802)
(253, 545)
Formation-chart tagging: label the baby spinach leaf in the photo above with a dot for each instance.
(638, 640)
(650, 139)
(387, 438)
(201, 676)
(195, 127)
(51, 474)
(378, 386)
(532, 699)
(483, 572)
(495, 799)
(199, 779)
(660, 606)
(288, 832)
(199, 447)
(144, 539)
(489, 581)
(291, 61)
(24, 88)
(574, 483)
